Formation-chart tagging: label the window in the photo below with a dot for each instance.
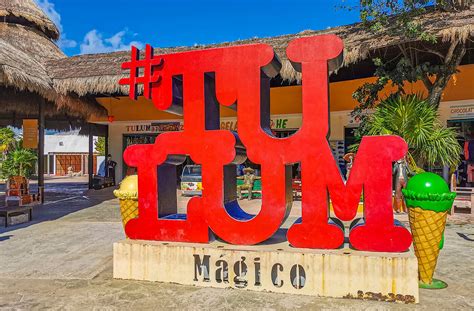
(193, 170)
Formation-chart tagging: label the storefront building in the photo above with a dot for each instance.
(96, 76)
(460, 115)
(68, 154)
(138, 122)
(83, 91)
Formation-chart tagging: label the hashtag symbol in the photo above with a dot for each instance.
(151, 74)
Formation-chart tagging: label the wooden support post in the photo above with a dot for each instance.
(41, 150)
(48, 169)
(472, 203)
(90, 162)
(106, 149)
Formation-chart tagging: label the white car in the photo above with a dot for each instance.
(191, 180)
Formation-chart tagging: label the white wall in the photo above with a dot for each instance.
(116, 131)
(100, 159)
(66, 143)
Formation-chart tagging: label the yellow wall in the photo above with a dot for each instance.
(287, 100)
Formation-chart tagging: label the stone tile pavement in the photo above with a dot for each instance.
(63, 260)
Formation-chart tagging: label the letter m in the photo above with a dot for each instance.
(201, 268)
(370, 177)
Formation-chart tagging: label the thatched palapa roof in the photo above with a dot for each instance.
(99, 73)
(31, 62)
(26, 45)
(26, 12)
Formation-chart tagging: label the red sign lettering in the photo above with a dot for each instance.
(198, 82)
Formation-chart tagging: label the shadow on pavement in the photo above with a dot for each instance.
(62, 199)
(4, 238)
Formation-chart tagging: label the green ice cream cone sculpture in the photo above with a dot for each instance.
(428, 200)
(128, 197)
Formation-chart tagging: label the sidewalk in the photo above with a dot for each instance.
(63, 260)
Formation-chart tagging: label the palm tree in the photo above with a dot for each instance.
(415, 120)
(7, 143)
(20, 162)
(7, 140)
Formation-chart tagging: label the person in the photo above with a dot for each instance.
(110, 165)
(401, 171)
(249, 178)
(349, 158)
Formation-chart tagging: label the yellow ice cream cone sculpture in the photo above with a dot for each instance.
(428, 200)
(128, 197)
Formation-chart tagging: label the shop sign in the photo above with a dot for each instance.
(230, 125)
(154, 127)
(240, 77)
(288, 122)
(465, 111)
(276, 123)
(30, 133)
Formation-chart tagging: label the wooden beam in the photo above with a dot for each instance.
(41, 149)
(90, 162)
(106, 149)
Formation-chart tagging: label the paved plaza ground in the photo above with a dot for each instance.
(63, 260)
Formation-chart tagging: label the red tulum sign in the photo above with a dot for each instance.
(196, 83)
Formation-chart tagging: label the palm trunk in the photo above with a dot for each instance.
(453, 59)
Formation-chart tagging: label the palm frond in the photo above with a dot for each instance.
(415, 120)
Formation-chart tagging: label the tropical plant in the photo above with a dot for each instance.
(100, 146)
(19, 162)
(7, 142)
(401, 19)
(415, 120)
(7, 139)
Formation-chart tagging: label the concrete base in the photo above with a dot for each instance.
(273, 267)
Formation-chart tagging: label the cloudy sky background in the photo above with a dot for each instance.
(101, 26)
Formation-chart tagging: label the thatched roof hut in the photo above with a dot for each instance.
(31, 62)
(99, 73)
(26, 44)
(27, 13)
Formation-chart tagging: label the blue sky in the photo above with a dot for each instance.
(94, 26)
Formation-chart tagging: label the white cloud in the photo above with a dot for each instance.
(94, 42)
(65, 43)
(48, 8)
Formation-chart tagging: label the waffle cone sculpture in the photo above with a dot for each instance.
(428, 200)
(128, 197)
